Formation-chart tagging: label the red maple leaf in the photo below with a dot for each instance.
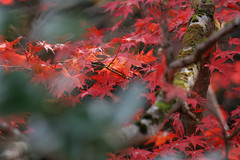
(195, 153)
(177, 124)
(162, 138)
(167, 151)
(221, 65)
(47, 46)
(236, 111)
(180, 33)
(234, 41)
(207, 123)
(94, 36)
(226, 54)
(196, 140)
(33, 49)
(111, 6)
(195, 101)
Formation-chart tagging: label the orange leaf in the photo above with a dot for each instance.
(161, 138)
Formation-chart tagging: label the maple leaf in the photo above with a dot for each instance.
(207, 123)
(195, 153)
(180, 33)
(161, 138)
(125, 8)
(9, 45)
(139, 154)
(151, 96)
(226, 15)
(181, 144)
(94, 36)
(64, 82)
(195, 101)
(43, 72)
(132, 153)
(181, 17)
(11, 58)
(97, 90)
(111, 6)
(113, 156)
(221, 65)
(234, 41)
(166, 151)
(196, 140)
(33, 49)
(146, 57)
(154, 78)
(233, 6)
(214, 137)
(236, 111)
(226, 54)
(46, 45)
(113, 28)
(177, 124)
(14, 120)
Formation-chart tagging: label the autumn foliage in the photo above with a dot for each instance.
(95, 67)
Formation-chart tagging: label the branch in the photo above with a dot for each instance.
(214, 108)
(100, 64)
(149, 125)
(5, 66)
(200, 49)
(235, 132)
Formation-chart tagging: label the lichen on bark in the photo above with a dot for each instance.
(195, 77)
(200, 26)
(193, 36)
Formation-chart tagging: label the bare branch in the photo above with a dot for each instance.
(235, 132)
(214, 107)
(12, 67)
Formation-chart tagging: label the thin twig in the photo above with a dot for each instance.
(227, 140)
(112, 70)
(181, 106)
(16, 67)
(215, 109)
(114, 57)
(235, 132)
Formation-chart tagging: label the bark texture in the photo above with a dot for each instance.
(193, 77)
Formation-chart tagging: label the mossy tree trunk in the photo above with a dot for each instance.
(195, 77)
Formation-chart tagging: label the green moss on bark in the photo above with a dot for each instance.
(193, 36)
(185, 53)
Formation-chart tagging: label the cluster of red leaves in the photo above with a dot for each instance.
(74, 64)
(170, 145)
(226, 71)
(90, 68)
(212, 138)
